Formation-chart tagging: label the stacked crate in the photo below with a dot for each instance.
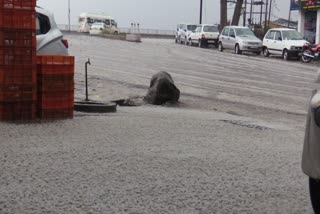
(17, 60)
(55, 87)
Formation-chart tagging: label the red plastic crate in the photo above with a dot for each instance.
(18, 4)
(14, 93)
(18, 38)
(18, 74)
(17, 111)
(17, 56)
(54, 100)
(55, 64)
(55, 114)
(17, 19)
(55, 82)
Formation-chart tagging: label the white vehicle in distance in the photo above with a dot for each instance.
(284, 42)
(183, 33)
(97, 28)
(204, 35)
(49, 38)
(239, 39)
(87, 19)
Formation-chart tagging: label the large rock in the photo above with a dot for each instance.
(162, 89)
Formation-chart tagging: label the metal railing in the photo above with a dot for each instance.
(125, 30)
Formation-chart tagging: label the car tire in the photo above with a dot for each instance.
(186, 41)
(258, 53)
(285, 55)
(176, 40)
(220, 47)
(237, 49)
(266, 52)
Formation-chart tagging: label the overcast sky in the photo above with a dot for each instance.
(153, 14)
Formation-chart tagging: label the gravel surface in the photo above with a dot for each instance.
(152, 160)
(232, 145)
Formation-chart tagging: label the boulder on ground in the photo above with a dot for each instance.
(162, 89)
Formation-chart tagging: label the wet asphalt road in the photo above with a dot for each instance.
(233, 144)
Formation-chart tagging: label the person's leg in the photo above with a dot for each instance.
(314, 186)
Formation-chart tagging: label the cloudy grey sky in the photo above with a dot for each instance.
(155, 14)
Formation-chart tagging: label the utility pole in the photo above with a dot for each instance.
(201, 3)
(266, 17)
(69, 27)
(270, 12)
(245, 13)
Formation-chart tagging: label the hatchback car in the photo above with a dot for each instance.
(239, 39)
(98, 26)
(204, 35)
(49, 38)
(284, 42)
(183, 32)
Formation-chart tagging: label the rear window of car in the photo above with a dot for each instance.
(192, 27)
(270, 35)
(42, 24)
(225, 31)
(210, 29)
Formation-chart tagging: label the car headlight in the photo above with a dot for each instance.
(245, 43)
(292, 48)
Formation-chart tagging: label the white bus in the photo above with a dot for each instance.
(87, 19)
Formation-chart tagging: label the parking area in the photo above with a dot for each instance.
(232, 145)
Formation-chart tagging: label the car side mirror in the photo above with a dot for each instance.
(233, 36)
(185, 30)
(280, 39)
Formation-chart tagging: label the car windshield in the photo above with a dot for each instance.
(291, 35)
(209, 28)
(244, 32)
(191, 27)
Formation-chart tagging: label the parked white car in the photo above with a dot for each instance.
(204, 35)
(239, 39)
(183, 32)
(97, 28)
(49, 38)
(284, 42)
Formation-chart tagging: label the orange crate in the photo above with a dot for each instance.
(17, 56)
(55, 114)
(10, 93)
(18, 19)
(18, 38)
(18, 4)
(18, 74)
(17, 111)
(55, 64)
(54, 100)
(55, 82)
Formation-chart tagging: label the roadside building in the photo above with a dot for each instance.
(309, 19)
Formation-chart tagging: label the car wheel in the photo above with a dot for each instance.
(220, 47)
(237, 49)
(258, 53)
(266, 52)
(176, 40)
(186, 41)
(285, 55)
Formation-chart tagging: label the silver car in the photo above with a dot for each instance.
(49, 38)
(239, 39)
